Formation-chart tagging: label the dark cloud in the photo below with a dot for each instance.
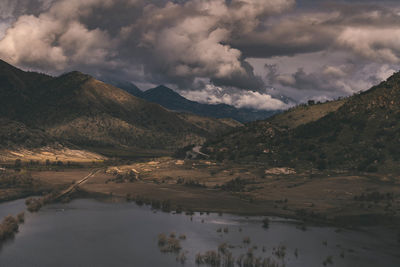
(174, 42)
(192, 43)
(245, 80)
(12, 9)
(328, 81)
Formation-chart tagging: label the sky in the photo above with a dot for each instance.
(241, 52)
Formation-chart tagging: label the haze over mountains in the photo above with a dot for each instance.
(171, 100)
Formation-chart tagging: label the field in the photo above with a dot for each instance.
(322, 197)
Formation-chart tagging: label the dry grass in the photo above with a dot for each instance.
(318, 196)
(306, 113)
(47, 153)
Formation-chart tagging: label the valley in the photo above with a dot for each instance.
(204, 133)
(326, 164)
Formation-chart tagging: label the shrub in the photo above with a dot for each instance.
(169, 245)
(8, 228)
(34, 204)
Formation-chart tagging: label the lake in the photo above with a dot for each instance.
(94, 233)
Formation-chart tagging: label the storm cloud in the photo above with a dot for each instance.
(172, 42)
(195, 45)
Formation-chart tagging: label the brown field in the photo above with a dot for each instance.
(203, 186)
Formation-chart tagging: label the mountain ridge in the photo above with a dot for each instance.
(172, 100)
(76, 108)
(361, 133)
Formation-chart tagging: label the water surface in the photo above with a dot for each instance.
(93, 233)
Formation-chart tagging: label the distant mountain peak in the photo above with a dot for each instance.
(162, 88)
(162, 91)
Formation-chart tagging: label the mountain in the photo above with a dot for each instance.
(77, 109)
(171, 100)
(16, 87)
(14, 134)
(125, 85)
(361, 133)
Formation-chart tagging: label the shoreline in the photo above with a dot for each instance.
(298, 220)
(340, 200)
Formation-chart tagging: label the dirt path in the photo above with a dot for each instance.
(78, 183)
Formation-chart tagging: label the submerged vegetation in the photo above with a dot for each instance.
(223, 257)
(266, 223)
(10, 225)
(169, 244)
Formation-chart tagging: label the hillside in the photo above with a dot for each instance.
(16, 88)
(77, 109)
(362, 134)
(212, 125)
(171, 100)
(303, 114)
(14, 134)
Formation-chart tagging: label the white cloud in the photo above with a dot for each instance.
(377, 44)
(56, 39)
(238, 98)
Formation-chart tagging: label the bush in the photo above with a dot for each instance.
(34, 204)
(170, 244)
(8, 228)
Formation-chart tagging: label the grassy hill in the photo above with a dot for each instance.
(359, 133)
(212, 125)
(303, 114)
